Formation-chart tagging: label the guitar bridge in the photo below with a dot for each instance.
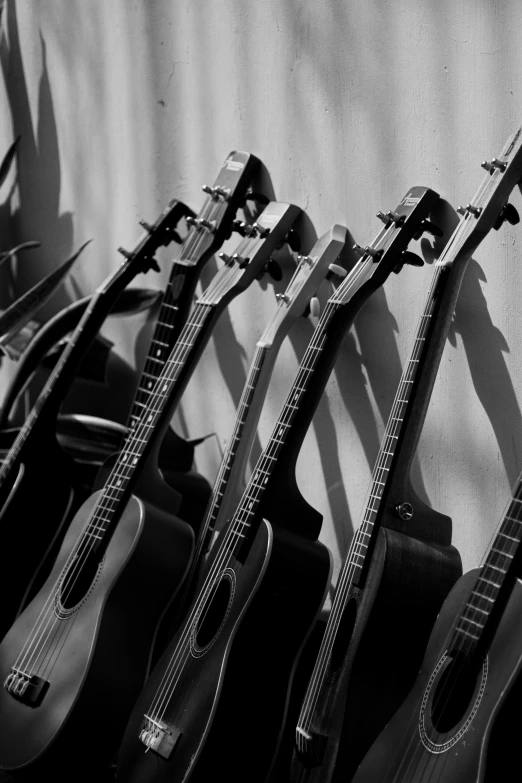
(310, 746)
(159, 737)
(27, 688)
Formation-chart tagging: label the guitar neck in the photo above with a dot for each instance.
(281, 452)
(491, 591)
(173, 314)
(45, 409)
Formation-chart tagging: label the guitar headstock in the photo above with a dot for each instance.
(213, 224)
(490, 206)
(311, 271)
(248, 261)
(388, 252)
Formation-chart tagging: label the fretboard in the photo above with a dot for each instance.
(174, 309)
(161, 399)
(227, 463)
(356, 558)
(245, 522)
(486, 590)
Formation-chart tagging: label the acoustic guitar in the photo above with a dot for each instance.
(290, 305)
(79, 650)
(215, 704)
(465, 701)
(37, 479)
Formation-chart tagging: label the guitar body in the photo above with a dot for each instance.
(37, 501)
(94, 654)
(230, 702)
(458, 754)
(406, 584)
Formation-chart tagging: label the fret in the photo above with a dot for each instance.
(512, 519)
(500, 552)
(493, 584)
(505, 535)
(476, 609)
(159, 342)
(472, 635)
(486, 597)
(497, 568)
(473, 622)
(93, 535)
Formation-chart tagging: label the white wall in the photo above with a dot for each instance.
(126, 105)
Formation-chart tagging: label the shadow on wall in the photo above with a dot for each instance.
(39, 178)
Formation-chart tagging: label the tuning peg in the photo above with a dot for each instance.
(315, 307)
(431, 228)
(210, 225)
(495, 164)
(359, 250)
(147, 226)
(229, 261)
(282, 298)
(124, 253)
(293, 240)
(274, 270)
(375, 254)
(509, 213)
(335, 269)
(207, 189)
(397, 219)
(469, 209)
(385, 219)
(191, 222)
(261, 232)
(240, 260)
(239, 227)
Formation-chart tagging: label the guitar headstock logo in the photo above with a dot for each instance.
(410, 201)
(234, 165)
(515, 138)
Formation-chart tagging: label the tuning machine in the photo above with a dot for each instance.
(501, 165)
(171, 232)
(509, 213)
(430, 228)
(271, 268)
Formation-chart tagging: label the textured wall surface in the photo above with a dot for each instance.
(124, 105)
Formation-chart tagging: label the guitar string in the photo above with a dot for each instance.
(136, 438)
(24, 433)
(226, 550)
(233, 529)
(488, 184)
(279, 427)
(191, 248)
(313, 691)
(380, 470)
(245, 242)
(367, 525)
(261, 366)
(81, 549)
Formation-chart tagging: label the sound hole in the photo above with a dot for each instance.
(454, 692)
(78, 580)
(214, 613)
(344, 634)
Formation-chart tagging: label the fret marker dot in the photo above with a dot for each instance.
(251, 504)
(158, 353)
(165, 387)
(118, 482)
(150, 384)
(150, 417)
(134, 461)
